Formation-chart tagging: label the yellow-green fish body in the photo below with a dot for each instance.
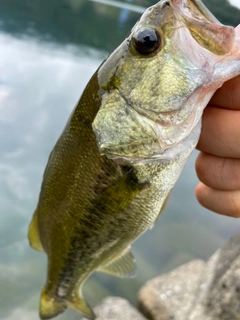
(125, 145)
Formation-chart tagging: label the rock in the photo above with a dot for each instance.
(197, 291)
(114, 308)
(170, 296)
(220, 289)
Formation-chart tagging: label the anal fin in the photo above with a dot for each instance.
(123, 265)
(33, 234)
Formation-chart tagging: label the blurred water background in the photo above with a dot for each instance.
(48, 51)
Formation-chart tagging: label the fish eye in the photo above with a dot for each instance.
(146, 41)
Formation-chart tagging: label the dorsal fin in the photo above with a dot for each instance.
(122, 265)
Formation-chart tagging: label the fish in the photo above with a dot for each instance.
(124, 146)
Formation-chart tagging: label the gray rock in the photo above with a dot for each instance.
(197, 291)
(116, 309)
(219, 296)
(170, 296)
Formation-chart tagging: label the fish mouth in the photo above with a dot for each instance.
(197, 9)
(204, 10)
(204, 27)
(192, 8)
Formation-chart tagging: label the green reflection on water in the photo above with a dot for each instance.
(85, 22)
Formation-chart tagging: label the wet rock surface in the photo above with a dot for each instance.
(172, 295)
(114, 308)
(219, 296)
(197, 290)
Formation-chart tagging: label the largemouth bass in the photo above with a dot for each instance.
(125, 145)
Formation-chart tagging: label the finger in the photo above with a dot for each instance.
(218, 173)
(220, 133)
(228, 96)
(223, 202)
(237, 29)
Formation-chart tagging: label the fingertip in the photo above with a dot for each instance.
(226, 203)
(199, 165)
(200, 193)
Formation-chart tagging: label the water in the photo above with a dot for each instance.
(235, 3)
(45, 65)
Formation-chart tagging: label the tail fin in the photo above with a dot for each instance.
(50, 307)
(78, 303)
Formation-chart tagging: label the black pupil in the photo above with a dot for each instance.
(147, 41)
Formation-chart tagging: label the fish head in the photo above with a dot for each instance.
(154, 86)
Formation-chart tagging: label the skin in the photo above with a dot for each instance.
(218, 164)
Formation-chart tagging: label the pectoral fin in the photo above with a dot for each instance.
(122, 265)
(33, 234)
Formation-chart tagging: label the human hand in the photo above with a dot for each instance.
(218, 164)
